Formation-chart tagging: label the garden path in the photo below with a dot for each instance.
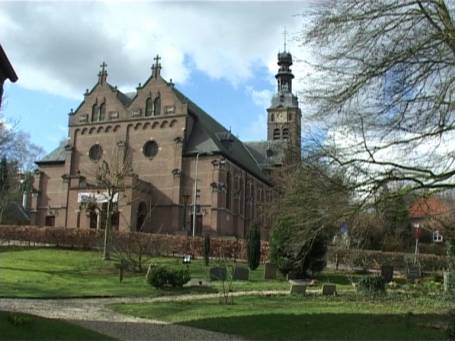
(93, 313)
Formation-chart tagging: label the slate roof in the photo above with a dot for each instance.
(267, 153)
(210, 137)
(55, 156)
(5, 66)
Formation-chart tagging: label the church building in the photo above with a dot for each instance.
(163, 163)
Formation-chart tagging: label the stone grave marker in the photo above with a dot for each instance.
(298, 287)
(413, 272)
(387, 273)
(241, 273)
(217, 274)
(270, 271)
(329, 289)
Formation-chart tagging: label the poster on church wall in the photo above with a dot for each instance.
(98, 198)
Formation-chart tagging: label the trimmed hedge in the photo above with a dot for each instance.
(375, 259)
(164, 244)
(145, 243)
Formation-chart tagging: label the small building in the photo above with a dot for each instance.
(431, 215)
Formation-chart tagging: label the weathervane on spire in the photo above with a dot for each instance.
(284, 38)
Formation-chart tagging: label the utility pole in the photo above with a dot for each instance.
(195, 195)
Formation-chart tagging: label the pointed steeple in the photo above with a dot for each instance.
(102, 75)
(284, 76)
(156, 68)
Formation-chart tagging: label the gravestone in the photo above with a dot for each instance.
(241, 274)
(270, 271)
(197, 282)
(298, 287)
(413, 272)
(329, 289)
(217, 274)
(387, 273)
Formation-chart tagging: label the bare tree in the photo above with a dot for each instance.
(16, 146)
(384, 86)
(110, 177)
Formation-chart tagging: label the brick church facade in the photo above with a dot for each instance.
(170, 160)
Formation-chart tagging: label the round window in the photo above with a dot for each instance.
(150, 149)
(95, 152)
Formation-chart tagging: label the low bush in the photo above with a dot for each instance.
(371, 285)
(161, 277)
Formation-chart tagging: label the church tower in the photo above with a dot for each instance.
(284, 115)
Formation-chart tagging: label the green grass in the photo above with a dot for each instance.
(394, 317)
(69, 273)
(15, 326)
(64, 273)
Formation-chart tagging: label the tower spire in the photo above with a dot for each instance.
(102, 75)
(284, 38)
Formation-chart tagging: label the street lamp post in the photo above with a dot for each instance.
(195, 195)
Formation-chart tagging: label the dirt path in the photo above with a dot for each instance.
(94, 314)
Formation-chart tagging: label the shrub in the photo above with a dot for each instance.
(371, 285)
(295, 256)
(160, 276)
(207, 249)
(177, 278)
(254, 247)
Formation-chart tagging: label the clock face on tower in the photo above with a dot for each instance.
(281, 117)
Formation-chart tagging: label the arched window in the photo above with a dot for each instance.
(228, 190)
(148, 107)
(276, 134)
(272, 117)
(102, 114)
(157, 106)
(285, 133)
(95, 112)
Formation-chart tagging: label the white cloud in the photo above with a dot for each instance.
(57, 47)
(260, 97)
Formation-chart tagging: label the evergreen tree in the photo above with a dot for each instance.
(207, 249)
(4, 185)
(254, 247)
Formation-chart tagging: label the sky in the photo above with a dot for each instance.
(222, 55)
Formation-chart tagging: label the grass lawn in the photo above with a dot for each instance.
(26, 327)
(64, 273)
(69, 273)
(394, 317)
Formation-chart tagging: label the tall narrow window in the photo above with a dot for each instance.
(102, 114)
(228, 190)
(276, 134)
(149, 107)
(95, 112)
(272, 117)
(285, 133)
(157, 106)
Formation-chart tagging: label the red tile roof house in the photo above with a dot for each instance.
(432, 215)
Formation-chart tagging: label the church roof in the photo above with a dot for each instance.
(267, 153)
(55, 156)
(210, 137)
